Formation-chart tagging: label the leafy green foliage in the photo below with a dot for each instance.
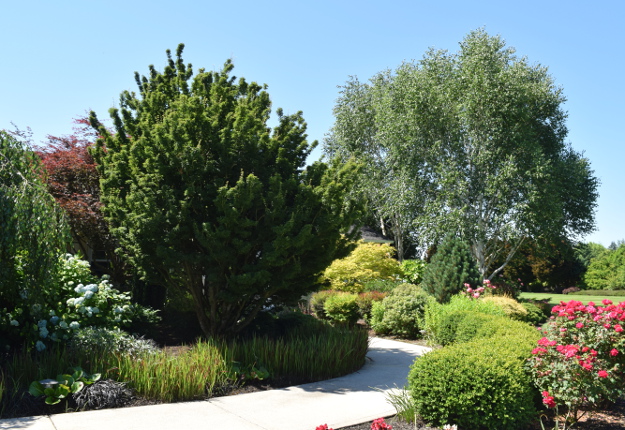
(473, 142)
(318, 300)
(33, 234)
(450, 268)
(511, 307)
(476, 385)
(435, 313)
(413, 270)
(607, 270)
(342, 308)
(400, 313)
(206, 198)
(65, 384)
(365, 302)
(369, 261)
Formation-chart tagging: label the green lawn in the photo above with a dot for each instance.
(555, 299)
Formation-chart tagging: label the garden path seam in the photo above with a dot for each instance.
(352, 399)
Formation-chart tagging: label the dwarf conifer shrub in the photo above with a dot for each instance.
(450, 268)
(476, 385)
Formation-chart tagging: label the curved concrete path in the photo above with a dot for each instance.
(339, 402)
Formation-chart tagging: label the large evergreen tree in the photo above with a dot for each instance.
(204, 196)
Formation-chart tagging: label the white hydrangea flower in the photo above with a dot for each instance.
(71, 302)
(43, 332)
(40, 346)
(74, 325)
(80, 288)
(78, 301)
(15, 323)
(88, 294)
(63, 325)
(42, 324)
(54, 320)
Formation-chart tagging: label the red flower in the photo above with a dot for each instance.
(548, 400)
(614, 352)
(323, 427)
(379, 424)
(602, 374)
(579, 325)
(618, 328)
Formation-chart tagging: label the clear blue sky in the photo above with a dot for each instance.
(61, 59)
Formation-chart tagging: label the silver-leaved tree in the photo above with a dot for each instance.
(471, 143)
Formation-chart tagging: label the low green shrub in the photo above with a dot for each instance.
(599, 293)
(342, 308)
(400, 313)
(89, 339)
(435, 312)
(413, 270)
(535, 314)
(317, 303)
(476, 385)
(510, 306)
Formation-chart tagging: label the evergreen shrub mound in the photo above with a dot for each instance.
(365, 302)
(342, 308)
(400, 313)
(450, 268)
(435, 313)
(510, 306)
(535, 314)
(318, 300)
(476, 385)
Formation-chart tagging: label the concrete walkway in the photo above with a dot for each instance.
(352, 399)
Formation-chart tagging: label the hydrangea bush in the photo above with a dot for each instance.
(68, 306)
(581, 358)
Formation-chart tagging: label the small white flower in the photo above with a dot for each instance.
(74, 325)
(40, 346)
(70, 302)
(70, 283)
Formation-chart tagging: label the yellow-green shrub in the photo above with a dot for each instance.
(511, 307)
(367, 262)
(342, 308)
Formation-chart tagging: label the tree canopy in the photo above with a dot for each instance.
(475, 141)
(205, 197)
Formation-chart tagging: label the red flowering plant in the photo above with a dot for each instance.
(581, 359)
(378, 424)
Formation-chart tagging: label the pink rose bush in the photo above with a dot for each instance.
(580, 359)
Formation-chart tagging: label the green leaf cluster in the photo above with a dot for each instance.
(367, 262)
(204, 197)
(65, 384)
(606, 271)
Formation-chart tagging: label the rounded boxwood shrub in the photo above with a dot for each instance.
(342, 308)
(476, 385)
(401, 312)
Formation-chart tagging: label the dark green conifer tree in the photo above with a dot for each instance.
(450, 268)
(206, 198)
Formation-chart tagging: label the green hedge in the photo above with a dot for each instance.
(476, 385)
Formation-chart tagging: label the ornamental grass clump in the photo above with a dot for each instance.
(580, 361)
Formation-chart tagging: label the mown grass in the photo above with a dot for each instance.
(555, 299)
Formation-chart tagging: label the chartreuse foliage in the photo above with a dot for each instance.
(450, 268)
(206, 198)
(606, 271)
(369, 261)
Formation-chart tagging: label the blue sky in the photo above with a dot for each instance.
(61, 59)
